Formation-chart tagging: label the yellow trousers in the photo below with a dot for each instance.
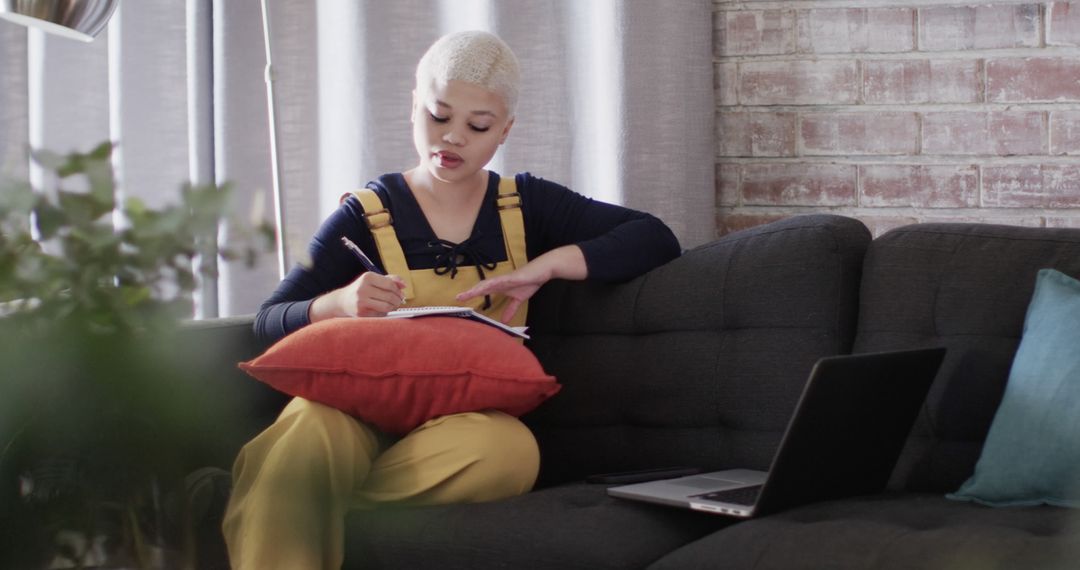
(294, 482)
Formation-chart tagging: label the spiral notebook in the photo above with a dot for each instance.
(463, 312)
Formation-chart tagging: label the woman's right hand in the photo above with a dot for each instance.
(370, 295)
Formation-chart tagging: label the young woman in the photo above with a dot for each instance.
(448, 231)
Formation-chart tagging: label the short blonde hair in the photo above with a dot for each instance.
(475, 57)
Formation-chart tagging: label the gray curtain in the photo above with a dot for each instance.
(617, 103)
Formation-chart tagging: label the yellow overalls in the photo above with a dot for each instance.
(429, 287)
(294, 482)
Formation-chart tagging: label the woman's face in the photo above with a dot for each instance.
(457, 128)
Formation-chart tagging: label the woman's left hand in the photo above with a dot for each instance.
(517, 286)
(521, 284)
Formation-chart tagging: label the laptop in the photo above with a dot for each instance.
(844, 439)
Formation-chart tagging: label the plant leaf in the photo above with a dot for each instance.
(102, 151)
(50, 219)
(102, 184)
(48, 159)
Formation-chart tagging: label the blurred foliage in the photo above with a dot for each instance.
(96, 403)
(106, 266)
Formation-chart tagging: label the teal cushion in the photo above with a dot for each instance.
(1032, 452)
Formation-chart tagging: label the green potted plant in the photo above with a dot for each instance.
(96, 401)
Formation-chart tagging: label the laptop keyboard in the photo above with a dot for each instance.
(739, 496)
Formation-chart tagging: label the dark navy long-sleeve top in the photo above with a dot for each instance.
(619, 243)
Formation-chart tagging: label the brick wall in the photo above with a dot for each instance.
(897, 112)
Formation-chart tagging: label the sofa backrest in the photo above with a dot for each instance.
(699, 362)
(965, 287)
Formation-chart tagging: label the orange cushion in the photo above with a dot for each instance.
(396, 374)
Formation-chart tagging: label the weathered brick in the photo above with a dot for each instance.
(919, 186)
(1031, 186)
(993, 133)
(795, 184)
(724, 81)
(1065, 132)
(756, 134)
(1072, 221)
(856, 30)
(956, 81)
(727, 184)
(979, 27)
(754, 32)
(798, 82)
(921, 81)
(728, 221)
(833, 134)
(1023, 80)
(896, 81)
(1063, 24)
(985, 217)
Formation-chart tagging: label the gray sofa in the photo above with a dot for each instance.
(700, 363)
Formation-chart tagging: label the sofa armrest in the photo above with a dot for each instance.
(244, 405)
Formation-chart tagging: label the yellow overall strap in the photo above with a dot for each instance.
(380, 223)
(513, 225)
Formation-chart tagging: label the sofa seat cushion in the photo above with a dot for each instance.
(892, 531)
(566, 527)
